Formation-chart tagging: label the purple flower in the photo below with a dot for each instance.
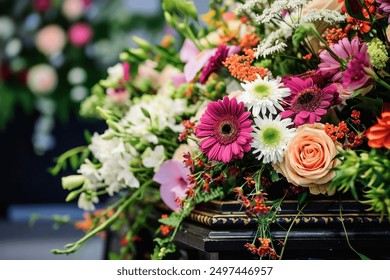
(173, 178)
(384, 8)
(196, 60)
(308, 102)
(355, 77)
(215, 62)
(345, 50)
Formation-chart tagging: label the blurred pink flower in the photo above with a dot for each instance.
(42, 79)
(80, 34)
(42, 5)
(118, 95)
(50, 39)
(173, 178)
(73, 9)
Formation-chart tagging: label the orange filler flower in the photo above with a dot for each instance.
(379, 134)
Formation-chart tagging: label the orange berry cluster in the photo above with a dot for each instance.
(334, 35)
(240, 66)
(344, 135)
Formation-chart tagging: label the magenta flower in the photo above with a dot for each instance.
(196, 60)
(226, 130)
(308, 102)
(345, 50)
(126, 71)
(42, 5)
(215, 62)
(355, 77)
(173, 178)
(80, 34)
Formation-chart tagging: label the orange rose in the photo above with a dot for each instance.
(308, 159)
(379, 135)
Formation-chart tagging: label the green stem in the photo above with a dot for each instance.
(62, 158)
(363, 257)
(382, 82)
(289, 230)
(73, 247)
(166, 142)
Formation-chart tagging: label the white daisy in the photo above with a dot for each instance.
(263, 94)
(270, 137)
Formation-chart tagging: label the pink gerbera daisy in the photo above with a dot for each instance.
(226, 130)
(308, 102)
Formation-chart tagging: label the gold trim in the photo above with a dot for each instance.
(213, 219)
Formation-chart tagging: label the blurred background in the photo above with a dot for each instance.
(51, 53)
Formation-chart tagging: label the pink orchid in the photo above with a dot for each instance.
(173, 178)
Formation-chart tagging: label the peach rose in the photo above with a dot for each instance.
(308, 159)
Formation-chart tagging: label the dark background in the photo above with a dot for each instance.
(24, 176)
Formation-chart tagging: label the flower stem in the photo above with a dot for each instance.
(73, 247)
(289, 230)
(363, 257)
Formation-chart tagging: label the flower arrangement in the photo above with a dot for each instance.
(267, 100)
(50, 57)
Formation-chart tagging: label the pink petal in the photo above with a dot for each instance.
(196, 63)
(188, 51)
(178, 79)
(304, 114)
(208, 142)
(170, 171)
(320, 111)
(227, 154)
(312, 117)
(287, 114)
(169, 193)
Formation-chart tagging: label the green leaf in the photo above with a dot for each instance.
(180, 7)
(88, 136)
(145, 112)
(301, 198)
(173, 220)
(74, 162)
(363, 257)
(302, 32)
(274, 176)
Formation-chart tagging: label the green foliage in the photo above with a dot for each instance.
(180, 8)
(73, 158)
(365, 175)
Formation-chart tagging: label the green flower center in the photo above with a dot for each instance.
(262, 90)
(271, 136)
